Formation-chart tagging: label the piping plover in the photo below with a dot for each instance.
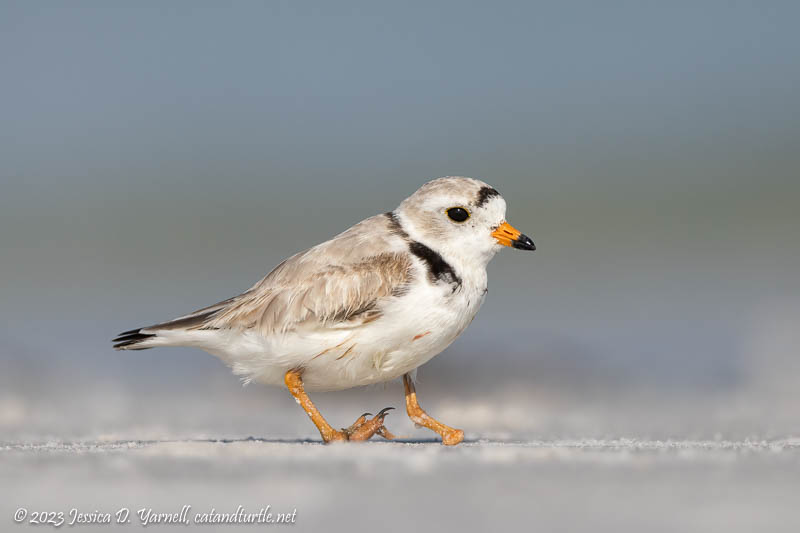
(368, 306)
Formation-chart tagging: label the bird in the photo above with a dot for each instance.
(368, 306)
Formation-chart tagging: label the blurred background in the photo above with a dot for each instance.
(160, 157)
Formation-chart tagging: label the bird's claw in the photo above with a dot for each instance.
(363, 429)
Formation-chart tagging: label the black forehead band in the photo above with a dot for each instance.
(484, 194)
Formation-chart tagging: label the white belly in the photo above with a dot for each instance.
(413, 328)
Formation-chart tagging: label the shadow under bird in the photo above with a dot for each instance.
(368, 306)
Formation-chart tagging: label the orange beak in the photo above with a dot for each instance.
(508, 235)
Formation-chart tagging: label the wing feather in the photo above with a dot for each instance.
(341, 282)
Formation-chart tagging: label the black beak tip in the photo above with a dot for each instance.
(523, 242)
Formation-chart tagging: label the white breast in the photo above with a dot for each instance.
(413, 329)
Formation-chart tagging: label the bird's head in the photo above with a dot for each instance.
(461, 218)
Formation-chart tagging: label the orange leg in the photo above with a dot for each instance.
(449, 435)
(362, 429)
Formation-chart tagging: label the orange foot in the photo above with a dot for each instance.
(450, 436)
(361, 430)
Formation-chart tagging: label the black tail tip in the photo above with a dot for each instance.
(128, 339)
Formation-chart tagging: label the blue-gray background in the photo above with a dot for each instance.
(159, 157)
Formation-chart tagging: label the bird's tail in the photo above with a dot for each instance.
(175, 332)
(133, 340)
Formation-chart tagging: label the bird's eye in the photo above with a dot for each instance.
(458, 214)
